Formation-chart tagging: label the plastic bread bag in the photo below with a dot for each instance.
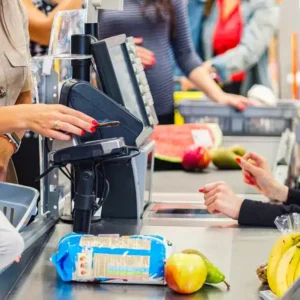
(134, 259)
(286, 267)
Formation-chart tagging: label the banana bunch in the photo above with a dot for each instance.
(283, 266)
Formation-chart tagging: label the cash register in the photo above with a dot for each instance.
(112, 171)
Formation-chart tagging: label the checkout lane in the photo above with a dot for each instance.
(237, 251)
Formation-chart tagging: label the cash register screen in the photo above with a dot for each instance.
(125, 81)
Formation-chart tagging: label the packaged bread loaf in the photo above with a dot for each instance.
(111, 259)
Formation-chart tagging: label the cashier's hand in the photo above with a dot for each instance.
(41, 118)
(219, 198)
(147, 57)
(257, 173)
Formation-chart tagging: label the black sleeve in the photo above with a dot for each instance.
(293, 197)
(255, 213)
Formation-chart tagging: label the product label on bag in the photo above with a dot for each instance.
(115, 242)
(124, 267)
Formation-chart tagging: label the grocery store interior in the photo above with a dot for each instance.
(149, 149)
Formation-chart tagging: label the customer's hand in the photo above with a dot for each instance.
(256, 172)
(147, 57)
(237, 101)
(186, 85)
(42, 119)
(219, 198)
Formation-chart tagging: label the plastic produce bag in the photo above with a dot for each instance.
(134, 259)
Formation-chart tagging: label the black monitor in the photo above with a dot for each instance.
(123, 78)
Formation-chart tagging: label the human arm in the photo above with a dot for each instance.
(40, 24)
(219, 198)
(254, 213)
(257, 173)
(190, 63)
(256, 38)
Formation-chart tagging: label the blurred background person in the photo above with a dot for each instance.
(41, 14)
(159, 25)
(233, 38)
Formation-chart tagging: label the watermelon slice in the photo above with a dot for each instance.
(171, 141)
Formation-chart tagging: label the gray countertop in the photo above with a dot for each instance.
(237, 251)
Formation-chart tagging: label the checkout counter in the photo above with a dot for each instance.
(136, 201)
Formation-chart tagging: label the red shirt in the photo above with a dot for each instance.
(228, 34)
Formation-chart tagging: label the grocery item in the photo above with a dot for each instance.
(214, 275)
(134, 259)
(291, 272)
(185, 273)
(171, 141)
(196, 158)
(282, 251)
(238, 150)
(225, 158)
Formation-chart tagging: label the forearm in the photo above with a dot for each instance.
(203, 81)
(293, 197)
(24, 98)
(10, 120)
(255, 213)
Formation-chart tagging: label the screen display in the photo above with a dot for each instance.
(125, 81)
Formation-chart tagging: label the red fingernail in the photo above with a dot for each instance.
(82, 132)
(201, 191)
(241, 107)
(95, 123)
(93, 129)
(250, 180)
(238, 160)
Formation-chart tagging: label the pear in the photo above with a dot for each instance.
(238, 150)
(214, 275)
(224, 159)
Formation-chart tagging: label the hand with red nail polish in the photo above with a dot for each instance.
(220, 199)
(237, 101)
(146, 56)
(256, 172)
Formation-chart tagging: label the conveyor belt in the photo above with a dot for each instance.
(175, 182)
(236, 251)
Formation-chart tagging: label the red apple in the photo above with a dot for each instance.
(185, 273)
(196, 157)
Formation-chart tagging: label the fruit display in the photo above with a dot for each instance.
(196, 158)
(225, 158)
(283, 267)
(188, 271)
(171, 141)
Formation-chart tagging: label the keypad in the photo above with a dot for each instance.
(142, 81)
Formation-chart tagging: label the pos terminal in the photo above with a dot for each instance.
(113, 183)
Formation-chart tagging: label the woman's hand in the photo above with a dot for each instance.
(219, 198)
(147, 57)
(256, 172)
(186, 85)
(237, 101)
(55, 121)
